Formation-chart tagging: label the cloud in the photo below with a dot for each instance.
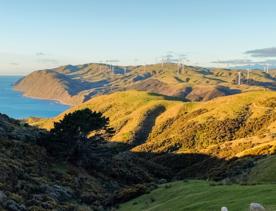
(245, 62)
(48, 61)
(14, 64)
(234, 61)
(172, 56)
(269, 61)
(112, 61)
(264, 52)
(40, 54)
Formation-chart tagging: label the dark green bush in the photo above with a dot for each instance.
(69, 136)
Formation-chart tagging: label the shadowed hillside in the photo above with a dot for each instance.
(157, 139)
(236, 125)
(105, 174)
(76, 84)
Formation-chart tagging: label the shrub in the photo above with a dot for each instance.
(70, 134)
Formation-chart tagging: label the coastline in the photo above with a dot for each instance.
(58, 101)
(19, 106)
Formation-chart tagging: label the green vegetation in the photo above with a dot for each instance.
(78, 124)
(156, 139)
(203, 196)
(264, 171)
(69, 136)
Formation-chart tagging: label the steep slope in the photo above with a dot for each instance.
(14, 129)
(76, 84)
(237, 125)
(157, 138)
(32, 179)
(52, 85)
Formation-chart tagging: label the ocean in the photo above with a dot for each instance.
(15, 105)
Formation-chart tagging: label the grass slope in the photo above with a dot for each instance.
(237, 125)
(264, 171)
(201, 196)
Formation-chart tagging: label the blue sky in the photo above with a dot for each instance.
(44, 34)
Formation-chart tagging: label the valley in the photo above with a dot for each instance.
(137, 105)
(156, 139)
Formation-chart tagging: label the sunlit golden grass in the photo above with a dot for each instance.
(179, 124)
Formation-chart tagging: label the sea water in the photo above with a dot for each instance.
(15, 105)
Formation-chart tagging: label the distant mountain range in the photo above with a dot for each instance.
(76, 84)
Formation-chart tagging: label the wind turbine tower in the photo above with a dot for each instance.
(267, 68)
(248, 74)
(112, 69)
(239, 78)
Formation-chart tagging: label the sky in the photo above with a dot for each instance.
(46, 34)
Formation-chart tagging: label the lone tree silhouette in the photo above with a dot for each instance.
(69, 134)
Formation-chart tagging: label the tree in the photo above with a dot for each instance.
(70, 133)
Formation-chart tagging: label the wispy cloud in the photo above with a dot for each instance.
(264, 52)
(234, 61)
(40, 54)
(14, 64)
(48, 61)
(244, 62)
(172, 56)
(112, 61)
(269, 61)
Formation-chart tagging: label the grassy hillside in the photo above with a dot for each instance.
(264, 171)
(157, 139)
(33, 179)
(236, 125)
(76, 84)
(201, 196)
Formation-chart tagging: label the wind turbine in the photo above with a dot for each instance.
(162, 62)
(110, 64)
(239, 78)
(248, 73)
(267, 68)
(182, 59)
(179, 65)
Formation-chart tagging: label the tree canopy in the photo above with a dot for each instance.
(70, 134)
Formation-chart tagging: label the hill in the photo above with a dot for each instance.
(76, 84)
(198, 196)
(157, 139)
(236, 125)
(32, 179)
